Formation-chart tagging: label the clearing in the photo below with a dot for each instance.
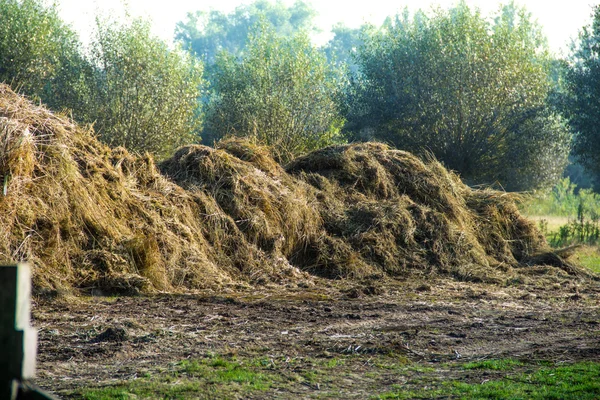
(411, 340)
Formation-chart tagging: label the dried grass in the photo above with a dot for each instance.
(87, 216)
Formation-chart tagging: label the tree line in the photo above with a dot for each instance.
(483, 94)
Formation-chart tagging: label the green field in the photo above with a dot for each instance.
(225, 377)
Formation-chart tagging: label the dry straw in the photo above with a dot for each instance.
(87, 216)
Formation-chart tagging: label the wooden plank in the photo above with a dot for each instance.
(18, 340)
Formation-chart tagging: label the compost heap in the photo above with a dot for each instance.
(87, 216)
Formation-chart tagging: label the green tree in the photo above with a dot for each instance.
(282, 93)
(208, 33)
(37, 51)
(145, 95)
(584, 87)
(472, 92)
(344, 45)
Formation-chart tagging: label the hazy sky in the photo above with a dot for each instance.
(561, 20)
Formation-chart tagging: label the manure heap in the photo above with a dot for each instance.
(88, 216)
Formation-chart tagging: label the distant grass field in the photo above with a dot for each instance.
(567, 216)
(552, 222)
(587, 255)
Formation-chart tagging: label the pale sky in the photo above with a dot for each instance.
(561, 20)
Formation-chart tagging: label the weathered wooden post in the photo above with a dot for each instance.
(18, 340)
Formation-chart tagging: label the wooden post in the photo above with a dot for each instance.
(18, 340)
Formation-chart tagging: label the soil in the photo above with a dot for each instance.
(97, 341)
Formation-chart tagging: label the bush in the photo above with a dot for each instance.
(582, 207)
(36, 48)
(584, 108)
(281, 93)
(564, 200)
(473, 93)
(145, 95)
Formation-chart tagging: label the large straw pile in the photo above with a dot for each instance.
(403, 215)
(88, 216)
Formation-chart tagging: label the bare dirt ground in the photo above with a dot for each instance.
(367, 332)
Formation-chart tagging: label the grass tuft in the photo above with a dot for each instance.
(494, 365)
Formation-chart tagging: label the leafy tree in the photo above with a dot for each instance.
(137, 91)
(472, 92)
(145, 95)
(208, 33)
(584, 86)
(281, 93)
(37, 50)
(342, 48)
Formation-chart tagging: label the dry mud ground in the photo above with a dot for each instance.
(327, 342)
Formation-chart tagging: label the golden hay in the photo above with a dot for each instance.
(404, 215)
(87, 216)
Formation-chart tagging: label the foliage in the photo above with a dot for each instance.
(37, 50)
(281, 93)
(208, 33)
(472, 92)
(584, 87)
(342, 48)
(581, 175)
(581, 230)
(564, 199)
(145, 95)
(582, 207)
(137, 91)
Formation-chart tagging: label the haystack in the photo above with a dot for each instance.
(404, 215)
(88, 216)
(275, 212)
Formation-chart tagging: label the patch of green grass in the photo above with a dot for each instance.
(399, 393)
(228, 377)
(310, 376)
(189, 379)
(589, 257)
(146, 390)
(191, 367)
(575, 381)
(255, 380)
(108, 393)
(495, 365)
(334, 362)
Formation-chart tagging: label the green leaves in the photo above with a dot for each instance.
(281, 93)
(145, 95)
(207, 33)
(470, 91)
(33, 45)
(583, 80)
(137, 91)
